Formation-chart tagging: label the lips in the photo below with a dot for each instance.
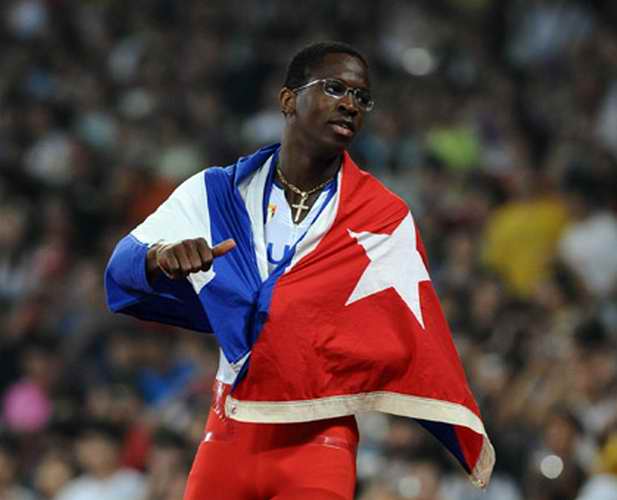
(343, 127)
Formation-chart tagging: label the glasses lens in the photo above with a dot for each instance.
(338, 90)
(334, 88)
(364, 99)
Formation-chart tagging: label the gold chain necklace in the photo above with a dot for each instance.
(300, 207)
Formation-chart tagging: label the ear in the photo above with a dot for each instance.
(287, 100)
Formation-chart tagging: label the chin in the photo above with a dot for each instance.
(341, 142)
(330, 143)
(336, 147)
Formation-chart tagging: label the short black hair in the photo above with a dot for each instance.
(167, 438)
(311, 56)
(579, 179)
(102, 428)
(9, 445)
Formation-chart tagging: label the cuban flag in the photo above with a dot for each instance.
(347, 322)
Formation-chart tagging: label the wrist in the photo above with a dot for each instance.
(152, 267)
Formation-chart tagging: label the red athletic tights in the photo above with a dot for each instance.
(245, 461)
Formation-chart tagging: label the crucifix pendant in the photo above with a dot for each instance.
(300, 207)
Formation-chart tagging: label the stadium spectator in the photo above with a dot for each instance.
(103, 478)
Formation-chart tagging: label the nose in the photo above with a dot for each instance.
(347, 105)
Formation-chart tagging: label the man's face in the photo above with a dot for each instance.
(323, 120)
(97, 454)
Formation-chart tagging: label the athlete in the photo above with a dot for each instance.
(313, 278)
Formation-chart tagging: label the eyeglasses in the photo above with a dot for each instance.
(337, 90)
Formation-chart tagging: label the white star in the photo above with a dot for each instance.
(394, 262)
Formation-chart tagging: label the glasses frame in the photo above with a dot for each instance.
(348, 91)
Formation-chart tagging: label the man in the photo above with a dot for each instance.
(167, 465)
(103, 477)
(313, 279)
(10, 489)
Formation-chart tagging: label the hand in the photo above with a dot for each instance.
(178, 260)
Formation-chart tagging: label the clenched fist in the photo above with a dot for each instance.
(178, 260)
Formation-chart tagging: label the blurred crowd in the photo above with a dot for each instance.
(495, 120)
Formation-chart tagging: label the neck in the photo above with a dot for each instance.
(306, 169)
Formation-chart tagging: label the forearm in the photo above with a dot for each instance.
(128, 266)
(133, 286)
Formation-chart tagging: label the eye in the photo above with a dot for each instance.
(334, 88)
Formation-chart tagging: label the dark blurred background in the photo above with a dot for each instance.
(495, 120)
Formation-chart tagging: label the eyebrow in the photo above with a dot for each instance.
(345, 83)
